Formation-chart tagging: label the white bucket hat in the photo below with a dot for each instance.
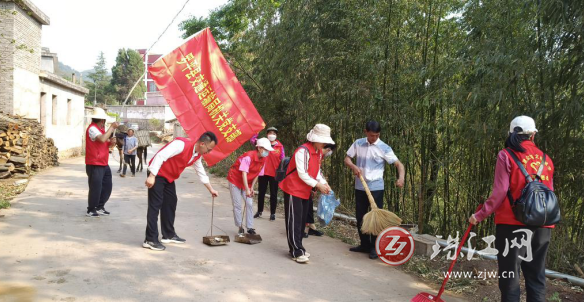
(524, 122)
(99, 113)
(264, 143)
(320, 134)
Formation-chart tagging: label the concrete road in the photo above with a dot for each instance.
(47, 242)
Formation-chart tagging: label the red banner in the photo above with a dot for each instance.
(204, 94)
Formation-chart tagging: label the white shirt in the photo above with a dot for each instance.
(302, 158)
(371, 159)
(94, 132)
(172, 149)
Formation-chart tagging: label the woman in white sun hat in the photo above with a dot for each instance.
(242, 177)
(302, 175)
(97, 143)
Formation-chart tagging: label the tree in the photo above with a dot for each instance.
(98, 90)
(128, 70)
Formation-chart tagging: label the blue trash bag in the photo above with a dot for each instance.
(326, 208)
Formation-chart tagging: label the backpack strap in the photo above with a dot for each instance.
(293, 155)
(528, 178)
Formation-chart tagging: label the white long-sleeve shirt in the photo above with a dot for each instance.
(302, 158)
(172, 149)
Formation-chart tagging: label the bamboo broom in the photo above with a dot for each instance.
(376, 220)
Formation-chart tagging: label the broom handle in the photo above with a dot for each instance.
(212, 213)
(456, 256)
(371, 200)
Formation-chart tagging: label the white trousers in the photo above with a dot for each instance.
(237, 197)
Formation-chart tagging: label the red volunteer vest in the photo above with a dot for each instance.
(531, 160)
(173, 167)
(273, 159)
(292, 184)
(255, 167)
(96, 152)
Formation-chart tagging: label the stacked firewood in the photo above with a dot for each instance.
(23, 147)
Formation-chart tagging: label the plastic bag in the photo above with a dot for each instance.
(326, 208)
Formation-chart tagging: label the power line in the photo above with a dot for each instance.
(148, 50)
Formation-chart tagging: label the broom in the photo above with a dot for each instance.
(376, 220)
(426, 297)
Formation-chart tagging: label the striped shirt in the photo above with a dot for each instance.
(371, 159)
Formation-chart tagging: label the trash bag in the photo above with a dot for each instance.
(326, 208)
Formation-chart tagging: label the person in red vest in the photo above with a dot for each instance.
(269, 176)
(97, 143)
(164, 168)
(509, 178)
(302, 175)
(242, 177)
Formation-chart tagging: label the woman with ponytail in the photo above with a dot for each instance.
(519, 246)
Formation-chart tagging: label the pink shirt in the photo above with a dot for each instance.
(500, 187)
(244, 166)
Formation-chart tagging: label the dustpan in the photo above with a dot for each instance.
(246, 238)
(215, 240)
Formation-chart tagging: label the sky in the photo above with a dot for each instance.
(80, 29)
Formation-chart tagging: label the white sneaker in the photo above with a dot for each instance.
(301, 259)
(307, 254)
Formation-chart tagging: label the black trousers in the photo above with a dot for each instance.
(310, 210)
(263, 182)
(129, 159)
(161, 199)
(362, 207)
(533, 272)
(100, 186)
(295, 217)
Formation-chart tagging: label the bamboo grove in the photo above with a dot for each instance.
(443, 77)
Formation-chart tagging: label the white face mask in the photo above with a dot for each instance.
(329, 153)
(265, 153)
(272, 137)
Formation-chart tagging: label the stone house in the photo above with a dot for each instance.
(28, 84)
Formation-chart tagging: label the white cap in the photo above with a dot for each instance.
(264, 143)
(524, 122)
(320, 134)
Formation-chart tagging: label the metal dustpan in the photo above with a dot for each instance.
(215, 240)
(246, 238)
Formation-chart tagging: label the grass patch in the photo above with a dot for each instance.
(4, 204)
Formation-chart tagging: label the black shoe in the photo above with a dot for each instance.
(373, 254)
(315, 232)
(241, 230)
(258, 214)
(251, 231)
(272, 217)
(153, 245)
(359, 249)
(102, 211)
(92, 214)
(305, 235)
(176, 239)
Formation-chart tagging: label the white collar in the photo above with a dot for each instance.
(373, 144)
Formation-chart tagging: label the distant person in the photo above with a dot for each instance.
(130, 146)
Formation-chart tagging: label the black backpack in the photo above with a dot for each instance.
(283, 168)
(538, 204)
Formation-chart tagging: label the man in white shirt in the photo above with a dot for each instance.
(165, 167)
(371, 155)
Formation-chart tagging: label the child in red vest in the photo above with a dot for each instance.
(510, 179)
(97, 143)
(242, 177)
(164, 168)
(302, 175)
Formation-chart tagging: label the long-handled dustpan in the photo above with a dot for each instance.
(246, 238)
(215, 240)
(426, 297)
